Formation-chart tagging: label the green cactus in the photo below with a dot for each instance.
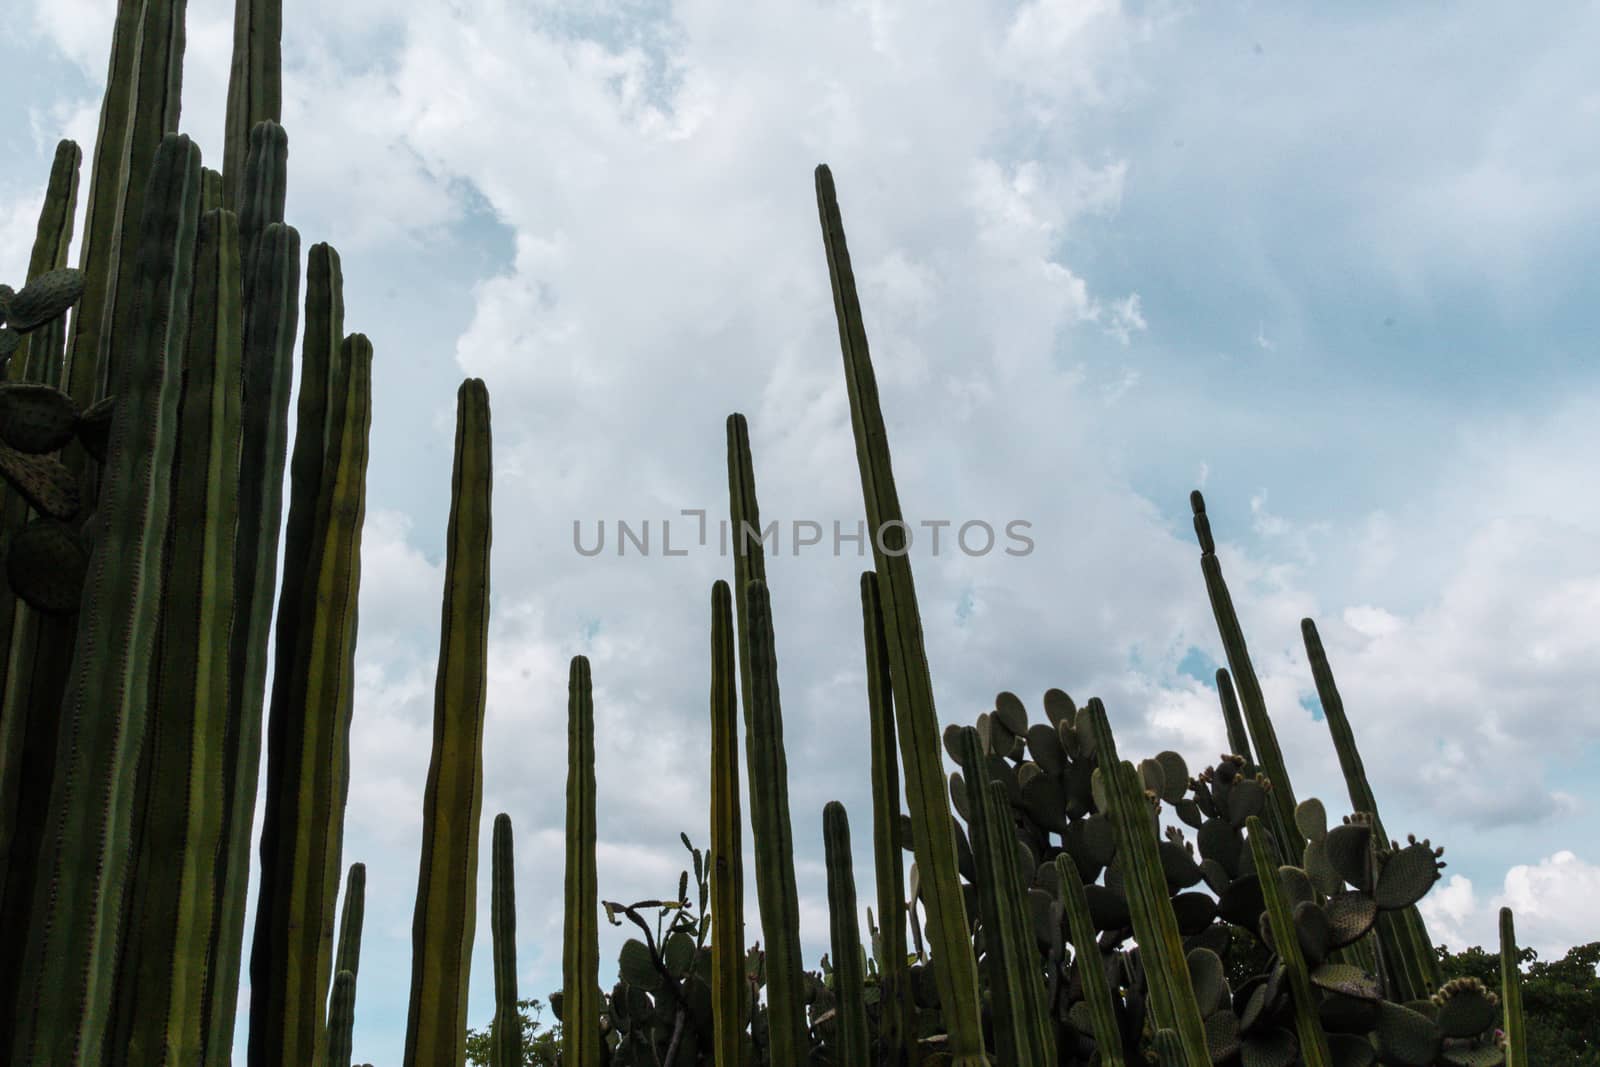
(1238, 737)
(1516, 1026)
(849, 987)
(177, 828)
(271, 318)
(1287, 941)
(507, 1027)
(1091, 967)
(264, 188)
(291, 960)
(351, 917)
(341, 1019)
(728, 989)
(441, 931)
(1281, 812)
(67, 975)
(776, 893)
(255, 88)
(580, 955)
(895, 1034)
(933, 828)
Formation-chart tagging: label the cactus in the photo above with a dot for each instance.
(1091, 967)
(255, 88)
(1516, 1027)
(769, 823)
(933, 829)
(441, 932)
(341, 1019)
(161, 979)
(580, 955)
(1281, 812)
(1238, 737)
(895, 1037)
(291, 960)
(262, 191)
(845, 936)
(351, 918)
(1287, 940)
(67, 974)
(728, 990)
(507, 1029)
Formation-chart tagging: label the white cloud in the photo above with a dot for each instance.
(1552, 902)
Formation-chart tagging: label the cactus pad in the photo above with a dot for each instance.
(36, 418)
(1406, 877)
(45, 298)
(46, 566)
(48, 487)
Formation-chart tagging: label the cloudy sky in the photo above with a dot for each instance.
(1335, 268)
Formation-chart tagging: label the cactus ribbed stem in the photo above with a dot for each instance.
(955, 970)
(67, 981)
(506, 1032)
(726, 860)
(581, 1043)
(895, 1036)
(255, 85)
(1090, 964)
(271, 318)
(774, 843)
(1515, 1025)
(446, 907)
(351, 917)
(849, 983)
(1238, 737)
(1281, 807)
(1313, 1042)
(341, 1019)
(264, 189)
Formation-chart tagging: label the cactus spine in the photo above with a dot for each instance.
(441, 932)
(849, 988)
(1281, 812)
(67, 980)
(1516, 1027)
(507, 1030)
(769, 822)
(580, 955)
(728, 993)
(933, 828)
(895, 1037)
(161, 983)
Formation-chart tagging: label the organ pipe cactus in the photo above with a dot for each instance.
(68, 968)
(1091, 967)
(1280, 817)
(1238, 737)
(506, 1034)
(895, 1037)
(1403, 936)
(263, 188)
(255, 87)
(933, 829)
(351, 917)
(291, 960)
(769, 822)
(726, 859)
(845, 936)
(580, 955)
(1516, 1027)
(446, 904)
(341, 1019)
(177, 830)
(1314, 1050)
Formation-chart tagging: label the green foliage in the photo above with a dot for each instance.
(539, 1049)
(1561, 998)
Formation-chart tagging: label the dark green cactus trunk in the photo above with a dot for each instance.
(341, 1019)
(1238, 737)
(918, 721)
(896, 1039)
(776, 893)
(1280, 813)
(68, 970)
(1403, 938)
(849, 981)
(291, 960)
(161, 979)
(271, 319)
(264, 189)
(726, 860)
(507, 1029)
(1090, 964)
(581, 1044)
(255, 86)
(29, 726)
(1314, 1050)
(348, 960)
(446, 908)
(1515, 1025)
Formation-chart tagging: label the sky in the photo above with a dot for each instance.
(1332, 265)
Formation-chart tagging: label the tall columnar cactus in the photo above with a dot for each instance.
(1022, 1029)
(776, 893)
(933, 830)
(507, 1029)
(581, 1044)
(1280, 814)
(726, 860)
(1173, 1005)
(68, 969)
(271, 318)
(1516, 1026)
(255, 86)
(441, 931)
(1090, 964)
(749, 557)
(849, 981)
(341, 1012)
(1408, 955)
(1238, 737)
(1314, 1050)
(263, 188)
(29, 728)
(895, 1034)
(291, 960)
(177, 829)
(341, 1019)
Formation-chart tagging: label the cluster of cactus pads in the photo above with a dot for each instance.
(143, 441)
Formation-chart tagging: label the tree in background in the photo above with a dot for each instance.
(1561, 999)
(538, 1049)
